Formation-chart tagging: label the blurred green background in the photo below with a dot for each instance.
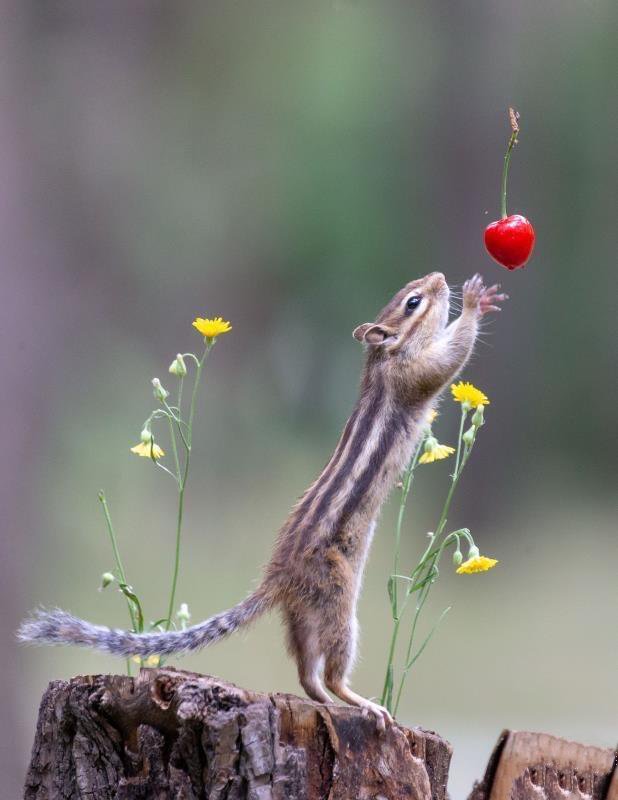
(289, 166)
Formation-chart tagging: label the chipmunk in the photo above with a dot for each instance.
(315, 572)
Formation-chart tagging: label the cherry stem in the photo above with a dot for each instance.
(505, 171)
(514, 120)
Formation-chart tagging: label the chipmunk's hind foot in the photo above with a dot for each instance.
(338, 665)
(343, 692)
(302, 644)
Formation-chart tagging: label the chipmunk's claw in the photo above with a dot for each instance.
(490, 298)
(477, 296)
(473, 291)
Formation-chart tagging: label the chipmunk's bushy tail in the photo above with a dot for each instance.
(59, 627)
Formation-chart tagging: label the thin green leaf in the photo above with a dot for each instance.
(157, 623)
(388, 700)
(429, 578)
(134, 599)
(391, 590)
(428, 637)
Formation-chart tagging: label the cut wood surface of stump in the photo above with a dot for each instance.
(174, 734)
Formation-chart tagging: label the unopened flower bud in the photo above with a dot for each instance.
(468, 437)
(457, 557)
(106, 579)
(478, 418)
(178, 366)
(430, 444)
(183, 615)
(473, 552)
(159, 392)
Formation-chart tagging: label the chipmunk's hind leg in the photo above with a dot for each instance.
(340, 654)
(302, 641)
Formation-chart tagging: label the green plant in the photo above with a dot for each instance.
(413, 587)
(180, 430)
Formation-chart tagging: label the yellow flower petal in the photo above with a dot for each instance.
(151, 661)
(436, 453)
(211, 328)
(467, 393)
(148, 450)
(476, 564)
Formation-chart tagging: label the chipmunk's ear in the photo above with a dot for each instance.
(372, 333)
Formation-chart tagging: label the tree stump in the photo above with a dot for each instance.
(537, 766)
(174, 734)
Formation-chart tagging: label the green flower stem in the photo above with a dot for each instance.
(165, 469)
(200, 364)
(183, 481)
(429, 560)
(433, 558)
(454, 481)
(174, 448)
(505, 172)
(464, 414)
(427, 569)
(193, 356)
(112, 536)
(178, 422)
(429, 554)
(388, 679)
(179, 402)
(119, 566)
(405, 490)
(176, 417)
(417, 655)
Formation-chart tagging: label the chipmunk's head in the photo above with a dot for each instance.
(417, 314)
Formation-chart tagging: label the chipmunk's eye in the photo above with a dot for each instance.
(412, 303)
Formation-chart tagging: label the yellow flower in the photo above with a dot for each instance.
(211, 328)
(432, 416)
(434, 451)
(476, 564)
(468, 395)
(148, 450)
(151, 661)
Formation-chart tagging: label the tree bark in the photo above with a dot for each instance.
(173, 734)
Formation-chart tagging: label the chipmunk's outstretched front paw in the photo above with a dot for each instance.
(472, 292)
(478, 297)
(490, 298)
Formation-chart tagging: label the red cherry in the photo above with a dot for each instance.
(509, 241)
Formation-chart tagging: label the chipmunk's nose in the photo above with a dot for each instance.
(436, 280)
